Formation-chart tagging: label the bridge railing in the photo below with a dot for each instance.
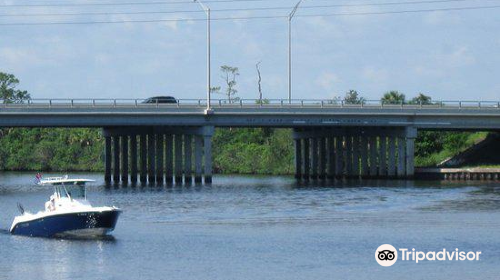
(242, 103)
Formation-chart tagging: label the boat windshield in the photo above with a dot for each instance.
(74, 191)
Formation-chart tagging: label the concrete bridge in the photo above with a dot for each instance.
(172, 142)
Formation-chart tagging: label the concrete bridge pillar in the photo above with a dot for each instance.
(314, 158)
(178, 158)
(355, 156)
(151, 158)
(198, 157)
(339, 156)
(322, 158)
(348, 156)
(143, 162)
(364, 157)
(169, 158)
(373, 156)
(411, 134)
(107, 159)
(116, 158)
(382, 156)
(331, 158)
(401, 169)
(391, 161)
(298, 158)
(124, 159)
(188, 173)
(307, 158)
(133, 158)
(208, 132)
(159, 157)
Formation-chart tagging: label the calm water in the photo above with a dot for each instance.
(262, 228)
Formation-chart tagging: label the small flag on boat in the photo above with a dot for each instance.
(38, 178)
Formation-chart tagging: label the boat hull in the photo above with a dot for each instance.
(89, 223)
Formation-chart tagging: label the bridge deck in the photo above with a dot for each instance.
(102, 113)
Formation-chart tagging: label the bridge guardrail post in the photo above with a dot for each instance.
(50, 103)
(342, 103)
(93, 102)
(220, 103)
(71, 103)
(114, 103)
(460, 104)
(281, 101)
(479, 104)
(322, 103)
(402, 104)
(420, 103)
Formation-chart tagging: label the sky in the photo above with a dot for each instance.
(449, 55)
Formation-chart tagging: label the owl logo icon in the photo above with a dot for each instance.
(386, 255)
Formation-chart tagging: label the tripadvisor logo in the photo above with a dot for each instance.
(387, 255)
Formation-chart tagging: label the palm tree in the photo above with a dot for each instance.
(393, 97)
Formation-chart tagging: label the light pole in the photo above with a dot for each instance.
(290, 17)
(207, 11)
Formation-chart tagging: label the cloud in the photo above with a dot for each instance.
(375, 75)
(327, 80)
(441, 64)
(439, 18)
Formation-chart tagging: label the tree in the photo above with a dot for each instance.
(229, 75)
(8, 91)
(393, 97)
(259, 81)
(352, 97)
(421, 99)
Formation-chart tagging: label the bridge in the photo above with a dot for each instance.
(172, 142)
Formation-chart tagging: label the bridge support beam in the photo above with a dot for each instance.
(133, 158)
(198, 157)
(124, 146)
(188, 172)
(143, 158)
(151, 158)
(169, 159)
(353, 152)
(159, 158)
(163, 152)
(116, 158)
(107, 159)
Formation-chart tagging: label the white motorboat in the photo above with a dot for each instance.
(67, 213)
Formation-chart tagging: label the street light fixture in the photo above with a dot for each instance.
(207, 11)
(290, 17)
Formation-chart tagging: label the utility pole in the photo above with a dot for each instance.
(290, 17)
(207, 11)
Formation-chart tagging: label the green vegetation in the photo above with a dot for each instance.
(51, 149)
(236, 150)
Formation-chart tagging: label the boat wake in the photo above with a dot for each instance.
(4, 231)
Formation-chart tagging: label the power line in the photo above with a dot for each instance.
(249, 17)
(234, 9)
(125, 3)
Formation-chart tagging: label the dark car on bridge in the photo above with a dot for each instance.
(160, 100)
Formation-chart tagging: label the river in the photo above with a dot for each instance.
(247, 227)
